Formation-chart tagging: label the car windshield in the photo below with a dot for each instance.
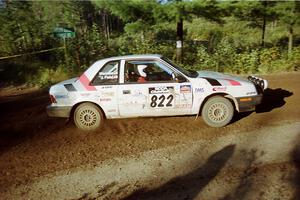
(189, 73)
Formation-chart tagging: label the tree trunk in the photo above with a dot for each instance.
(104, 23)
(77, 54)
(179, 42)
(263, 32)
(107, 24)
(290, 47)
(265, 3)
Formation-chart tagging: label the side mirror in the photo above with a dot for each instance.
(173, 76)
(178, 78)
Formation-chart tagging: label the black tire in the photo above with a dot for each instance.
(88, 117)
(217, 111)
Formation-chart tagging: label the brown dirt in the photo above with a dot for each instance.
(33, 145)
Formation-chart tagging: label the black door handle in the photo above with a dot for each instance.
(126, 91)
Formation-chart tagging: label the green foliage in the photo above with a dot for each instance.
(253, 61)
(143, 44)
(37, 73)
(130, 10)
(293, 61)
(27, 26)
(288, 12)
(218, 35)
(48, 76)
(83, 50)
(253, 12)
(205, 61)
(247, 62)
(267, 58)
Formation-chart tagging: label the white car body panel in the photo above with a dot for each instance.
(125, 100)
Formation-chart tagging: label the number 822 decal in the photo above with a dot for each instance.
(161, 101)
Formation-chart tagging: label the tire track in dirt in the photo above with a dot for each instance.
(33, 145)
(203, 169)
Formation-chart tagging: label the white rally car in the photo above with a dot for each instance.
(151, 85)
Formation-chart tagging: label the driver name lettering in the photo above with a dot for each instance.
(108, 75)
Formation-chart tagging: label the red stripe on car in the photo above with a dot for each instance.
(233, 82)
(86, 83)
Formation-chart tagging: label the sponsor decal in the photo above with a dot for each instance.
(250, 93)
(199, 90)
(185, 89)
(161, 97)
(61, 96)
(108, 94)
(105, 99)
(137, 93)
(161, 90)
(106, 87)
(184, 105)
(219, 89)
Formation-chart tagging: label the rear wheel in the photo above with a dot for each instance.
(217, 111)
(88, 117)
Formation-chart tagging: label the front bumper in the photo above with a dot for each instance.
(58, 111)
(248, 103)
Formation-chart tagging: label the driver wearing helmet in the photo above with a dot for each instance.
(142, 74)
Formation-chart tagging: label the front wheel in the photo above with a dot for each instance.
(88, 117)
(217, 111)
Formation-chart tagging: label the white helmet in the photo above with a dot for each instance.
(140, 69)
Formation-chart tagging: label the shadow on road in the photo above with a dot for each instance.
(295, 156)
(190, 185)
(23, 117)
(246, 179)
(273, 98)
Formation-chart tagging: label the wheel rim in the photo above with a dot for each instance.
(88, 117)
(218, 112)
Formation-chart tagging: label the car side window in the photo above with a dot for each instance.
(146, 71)
(108, 74)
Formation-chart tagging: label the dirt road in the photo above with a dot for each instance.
(257, 156)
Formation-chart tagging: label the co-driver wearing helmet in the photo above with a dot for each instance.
(142, 73)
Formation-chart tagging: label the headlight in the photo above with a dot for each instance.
(262, 83)
(265, 84)
(257, 81)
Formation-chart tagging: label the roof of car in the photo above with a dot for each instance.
(136, 56)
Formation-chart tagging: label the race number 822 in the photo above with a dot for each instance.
(161, 101)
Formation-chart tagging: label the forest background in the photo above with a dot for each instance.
(43, 42)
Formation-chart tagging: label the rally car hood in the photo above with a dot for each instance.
(224, 78)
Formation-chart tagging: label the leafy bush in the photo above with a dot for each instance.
(226, 58)
(294, 60)
(205, 61)
(267, 58)
(46, 76)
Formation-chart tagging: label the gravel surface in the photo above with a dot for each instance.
(243, 160)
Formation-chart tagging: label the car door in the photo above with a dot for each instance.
(106, 82)
(158, 95)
